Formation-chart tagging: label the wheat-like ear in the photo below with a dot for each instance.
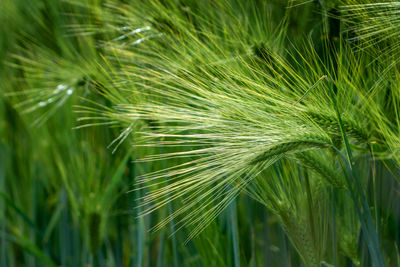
(299, 232)
(223, 111)
(226, 154)
(224, 135)
(226, 122)
(329, 123)
(302, 215)
(294, 145)
(348, 228)
(328, 173)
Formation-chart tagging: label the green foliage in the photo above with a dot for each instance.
(206, 133)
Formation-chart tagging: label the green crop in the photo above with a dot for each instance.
(199, 133)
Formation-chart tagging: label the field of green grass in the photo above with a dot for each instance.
(199, 133)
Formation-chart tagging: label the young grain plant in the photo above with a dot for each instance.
(244, 110)
(263, 133)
